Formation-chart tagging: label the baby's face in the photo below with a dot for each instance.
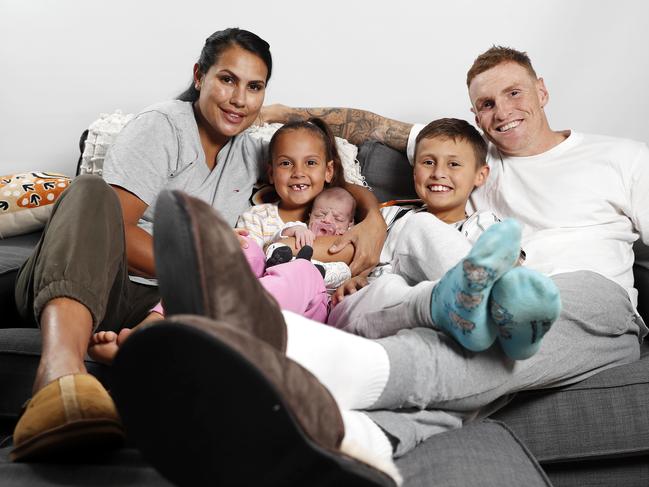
(331, 215)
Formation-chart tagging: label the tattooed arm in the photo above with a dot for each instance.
(357, 126)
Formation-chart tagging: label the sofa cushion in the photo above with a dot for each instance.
(641, 283)
(13, 252)
(26, 200)
(19, 355)
(602, 417)
(484, 453)
(386, 171)
(124, 467)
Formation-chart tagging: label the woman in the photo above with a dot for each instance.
(93, 267)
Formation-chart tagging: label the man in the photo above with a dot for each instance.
(581, 201)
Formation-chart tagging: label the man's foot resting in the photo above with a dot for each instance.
(524, 304)
(459, 302)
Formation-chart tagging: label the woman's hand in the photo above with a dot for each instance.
(350, 286)
(367, 237)
(240, 234)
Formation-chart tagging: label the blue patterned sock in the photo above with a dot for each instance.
(524, 304)
(459, 302)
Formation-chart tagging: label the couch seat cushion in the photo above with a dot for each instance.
(484, 453)
(602, 417)
(19, 356)
(15, 250)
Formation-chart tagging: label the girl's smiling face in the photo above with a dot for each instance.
(299, 168)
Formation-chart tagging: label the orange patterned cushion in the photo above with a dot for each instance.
(26, 200)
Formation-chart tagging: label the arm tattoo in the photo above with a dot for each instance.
(358, 126)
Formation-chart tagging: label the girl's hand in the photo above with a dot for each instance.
(367, 237)
(350, 286)
(303, 236)
(240, 234)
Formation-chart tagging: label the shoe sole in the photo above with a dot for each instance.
(204, 415)
(83, 437)
(173, 234)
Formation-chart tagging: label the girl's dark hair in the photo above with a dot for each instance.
(320, 128)
(219, 42)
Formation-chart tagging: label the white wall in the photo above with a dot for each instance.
(62, 62)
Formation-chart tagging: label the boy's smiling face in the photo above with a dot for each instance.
(445, 173)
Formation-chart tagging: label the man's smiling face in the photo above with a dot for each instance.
(508, 105)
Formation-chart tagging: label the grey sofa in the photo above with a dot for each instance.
(594, 433)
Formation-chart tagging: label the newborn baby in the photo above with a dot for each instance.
(332, 214)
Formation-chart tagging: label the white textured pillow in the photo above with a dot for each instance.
(101, 134)
(26, 200)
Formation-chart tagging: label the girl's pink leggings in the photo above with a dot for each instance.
(297, 285)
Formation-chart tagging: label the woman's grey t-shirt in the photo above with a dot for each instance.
(161, 149)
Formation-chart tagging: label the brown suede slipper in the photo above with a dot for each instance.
(71, 413)
(202, 270)
(208, 404)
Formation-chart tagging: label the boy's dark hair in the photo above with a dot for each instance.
(320, 128)
(454, 128)
(219, 42)
(496, 55)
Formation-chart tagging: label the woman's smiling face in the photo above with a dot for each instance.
(231, 92)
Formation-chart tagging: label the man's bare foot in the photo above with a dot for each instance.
(104, 345)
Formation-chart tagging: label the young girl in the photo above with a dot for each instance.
(303, 162)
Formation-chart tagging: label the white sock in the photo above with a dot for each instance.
(365, 441)
(354, 369)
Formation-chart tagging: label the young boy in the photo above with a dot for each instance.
(449, 163)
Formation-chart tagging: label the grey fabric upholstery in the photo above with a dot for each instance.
(485, 454)
(629, 472)
(386, 171)
(19, 355)
(605, 416)
(124, 468)
(13, 252)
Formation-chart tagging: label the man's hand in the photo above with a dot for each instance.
(303, 236)
(367, 237)
(240, 233)
(350, 286)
